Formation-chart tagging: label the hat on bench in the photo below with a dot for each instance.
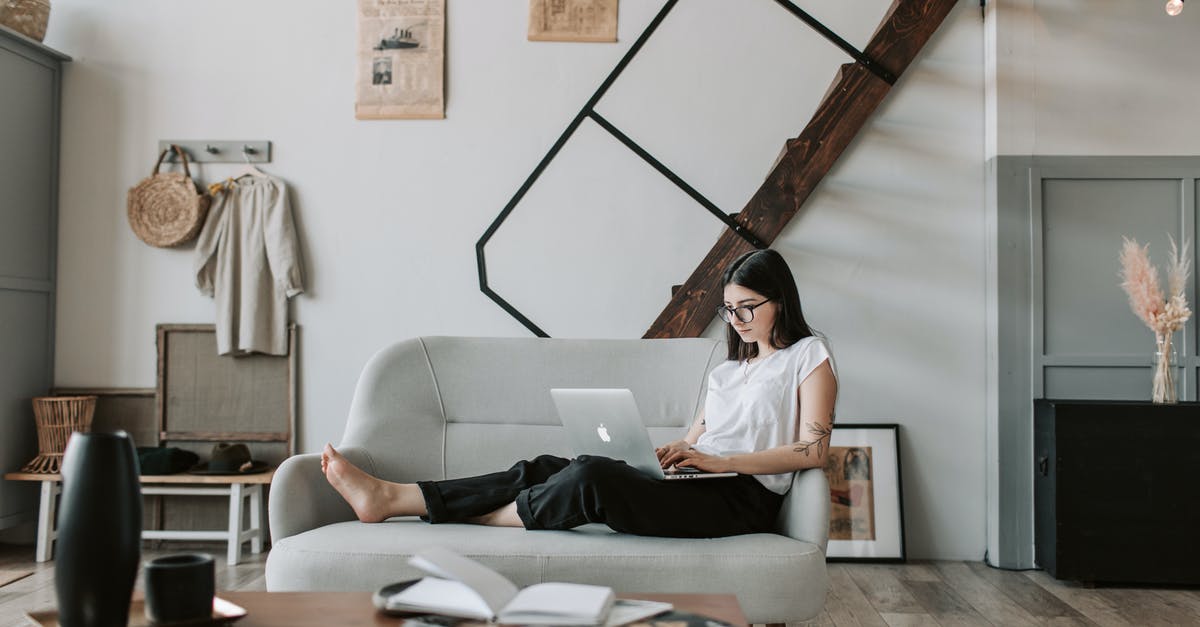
(153, 460)
(229, 459)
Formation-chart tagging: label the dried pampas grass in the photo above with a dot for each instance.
(1164, 314)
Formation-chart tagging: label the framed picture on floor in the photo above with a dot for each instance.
(866, 511)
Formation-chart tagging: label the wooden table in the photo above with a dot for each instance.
(237, 487)
(354, 609)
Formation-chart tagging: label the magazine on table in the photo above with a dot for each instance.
(462, 588)
(631, 612)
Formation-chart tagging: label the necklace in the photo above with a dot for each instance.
(746, 366)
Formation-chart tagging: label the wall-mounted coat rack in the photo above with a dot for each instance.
(210, 151)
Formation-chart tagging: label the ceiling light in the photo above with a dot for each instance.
(1174, 7)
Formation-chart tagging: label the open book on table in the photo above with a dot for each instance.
(464, 588)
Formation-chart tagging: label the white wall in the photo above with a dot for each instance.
(888, 254)
(1093, 77)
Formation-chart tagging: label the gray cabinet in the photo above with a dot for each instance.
(30, 79)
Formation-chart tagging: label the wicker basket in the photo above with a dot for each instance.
(28, 17)
(57, 418)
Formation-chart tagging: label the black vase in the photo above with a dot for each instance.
(99, 531)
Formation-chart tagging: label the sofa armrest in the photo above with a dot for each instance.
(302, 499)
(804, 514)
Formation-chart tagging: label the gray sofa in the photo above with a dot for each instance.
(439, 407)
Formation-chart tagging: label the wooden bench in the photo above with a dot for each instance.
(237, 487)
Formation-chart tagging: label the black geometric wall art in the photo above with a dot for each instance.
(588, 112)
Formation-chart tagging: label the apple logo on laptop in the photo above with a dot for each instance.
(603, 432)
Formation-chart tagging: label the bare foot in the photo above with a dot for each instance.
(369, 496)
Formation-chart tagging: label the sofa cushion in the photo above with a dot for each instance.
(434, 407)
(787, 574)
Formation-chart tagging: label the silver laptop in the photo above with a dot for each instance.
(607, 423)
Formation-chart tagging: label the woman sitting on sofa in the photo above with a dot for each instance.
(768, 413)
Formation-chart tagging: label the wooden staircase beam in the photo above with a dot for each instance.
(849, 103)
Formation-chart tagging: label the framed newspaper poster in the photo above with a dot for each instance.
(573, 20)
(866, 511)
(401, 59)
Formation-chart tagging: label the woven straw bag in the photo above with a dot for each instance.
(166, 209)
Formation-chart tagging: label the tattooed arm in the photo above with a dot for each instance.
(817, 395)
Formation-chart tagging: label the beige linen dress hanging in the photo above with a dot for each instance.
(248, 260)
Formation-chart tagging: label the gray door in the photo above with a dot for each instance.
(1063, 326)
(1088, 344)
(28, 162)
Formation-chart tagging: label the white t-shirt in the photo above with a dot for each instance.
(757, 408)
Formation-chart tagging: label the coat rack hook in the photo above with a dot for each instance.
(218, 150)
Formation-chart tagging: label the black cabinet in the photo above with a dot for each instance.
(1117, 491)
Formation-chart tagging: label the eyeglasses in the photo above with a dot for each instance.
(745, 313)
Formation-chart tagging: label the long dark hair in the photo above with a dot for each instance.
(765, 272)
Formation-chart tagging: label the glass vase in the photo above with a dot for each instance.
(1164, 389)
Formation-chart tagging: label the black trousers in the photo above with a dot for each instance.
(557, 493)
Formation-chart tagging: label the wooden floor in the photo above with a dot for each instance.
(923, 593)
(37, 591)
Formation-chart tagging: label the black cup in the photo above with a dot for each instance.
(180, 588)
